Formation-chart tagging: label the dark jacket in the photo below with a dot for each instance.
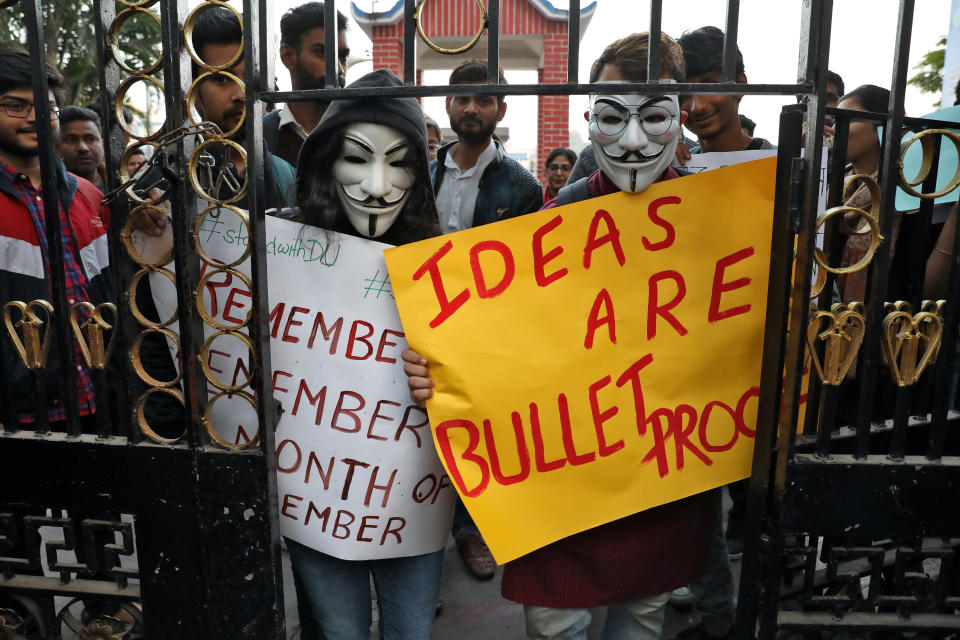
(24, 278)
(506, 189)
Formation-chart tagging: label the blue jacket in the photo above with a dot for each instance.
(506, 190)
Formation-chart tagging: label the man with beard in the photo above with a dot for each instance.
(476, 183)
(24, 253)
(303, 53)
(217, 36)
(80, 144)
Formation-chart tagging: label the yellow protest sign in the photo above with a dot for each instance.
(598, 359)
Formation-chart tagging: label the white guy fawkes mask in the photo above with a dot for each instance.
(373, 176)
(634, 137)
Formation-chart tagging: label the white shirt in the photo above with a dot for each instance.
(457, 197)
(286, 118)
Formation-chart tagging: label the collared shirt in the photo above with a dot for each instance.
(75, 280)
(287, 120)
(457, 197)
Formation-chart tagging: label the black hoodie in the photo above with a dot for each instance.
(320, 150)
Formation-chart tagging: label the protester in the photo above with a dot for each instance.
(135, 161)
(560, 162)
(80, 144)
(217, 35)
(303, 53)
(368, 177)
(25, 273)
(629, 565)
(433, 136)
(476, 183)
(863, 158)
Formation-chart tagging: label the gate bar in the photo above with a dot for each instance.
(730, 41)
(493, 42)
(573, 42)
(880, 267)
(409, 42)
(331, 46)
(51, 214)
(653, 59)
(547, 89)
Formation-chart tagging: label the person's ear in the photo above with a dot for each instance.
(288, 56)
(447, 102)
(586, 115)
(742, 79)
(501, 110)
(683, 117)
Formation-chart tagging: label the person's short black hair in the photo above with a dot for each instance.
(74, 113)
(570, 155)
(834, 78)
(871, 97)
(217, 25)
(16, 71)
(297, 21)
(703, 51)
(473, 71)
(748, 124)
(137, 151)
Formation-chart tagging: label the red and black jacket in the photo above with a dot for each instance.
(23, 275)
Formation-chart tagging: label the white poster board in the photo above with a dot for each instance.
(358, 476)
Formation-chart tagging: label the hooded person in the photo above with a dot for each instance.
(364, 172)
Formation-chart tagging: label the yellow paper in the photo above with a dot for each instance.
(549, 423)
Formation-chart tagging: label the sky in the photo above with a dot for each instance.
(861, 50)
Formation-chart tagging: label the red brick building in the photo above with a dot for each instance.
(533, 35)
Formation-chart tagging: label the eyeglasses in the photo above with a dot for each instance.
(558, 167)
(654, 120)
(433, 146)
(16, 108)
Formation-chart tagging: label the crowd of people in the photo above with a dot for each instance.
(379, 168)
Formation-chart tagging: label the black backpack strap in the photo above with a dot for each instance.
(271, 131)
(576, 192)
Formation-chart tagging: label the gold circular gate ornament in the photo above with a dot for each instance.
(875, 240)
(927, 164)
(138, 362)
(191, 22)
(202, 309)
(132, 294)
(208, 371)
(141, 417)
(118, 99)
(443, 50)
(208, 421)
(115, 28)
(195, 163)
(198, 222)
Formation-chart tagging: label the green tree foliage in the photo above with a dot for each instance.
(929, 76)
(71, 44)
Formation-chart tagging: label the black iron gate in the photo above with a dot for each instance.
(852, 522)
(872, 502)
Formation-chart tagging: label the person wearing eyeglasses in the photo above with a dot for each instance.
(559, 164)
(24, 252)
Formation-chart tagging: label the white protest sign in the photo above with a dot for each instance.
(358, 475)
